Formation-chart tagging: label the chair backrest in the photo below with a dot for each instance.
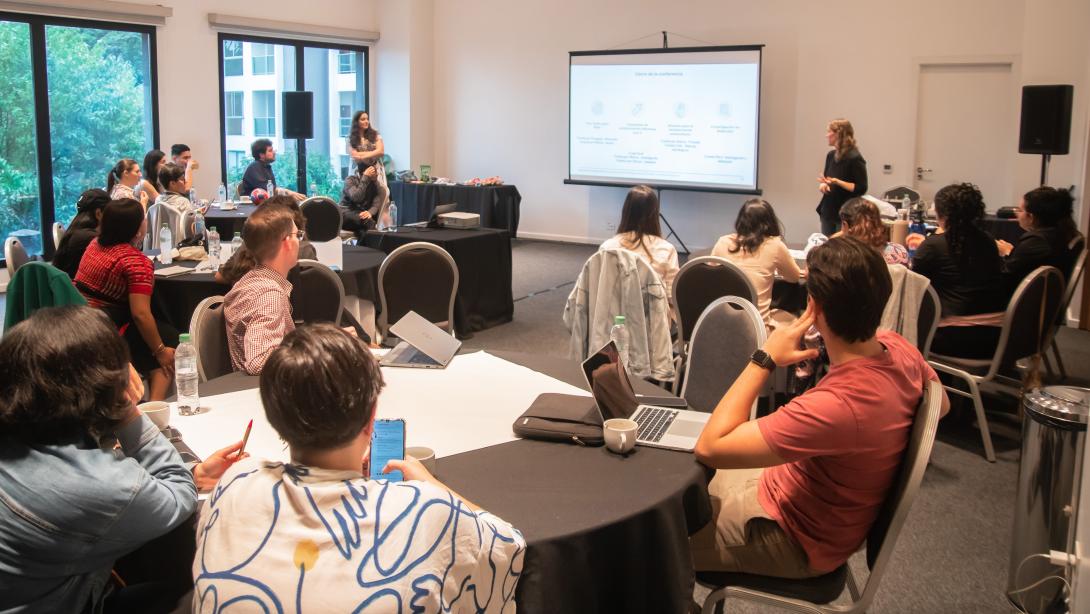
(154, 215)
(58, 234)
(1078, 247)
(700, 282)
(208, 333)
(927, 320)
(420, 277)
(318, 294)
(238, 189)
(725, 337)
(1028, 321)
(323, 218)
(15, 255)
(895, 194)
(882, 536)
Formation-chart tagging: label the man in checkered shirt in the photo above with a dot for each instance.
(258, 308)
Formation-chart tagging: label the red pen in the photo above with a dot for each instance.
(245, 438)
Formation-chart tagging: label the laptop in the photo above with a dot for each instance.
(659, 427)
(423, 344)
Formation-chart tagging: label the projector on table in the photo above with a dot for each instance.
(459, 219)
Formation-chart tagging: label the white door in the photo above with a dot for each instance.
(966, 130)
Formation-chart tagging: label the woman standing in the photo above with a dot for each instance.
(153, 163)
(123, 177)
(366, 148)
(845, 174)
(640, 233)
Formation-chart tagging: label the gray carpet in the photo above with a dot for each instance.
(952, 554)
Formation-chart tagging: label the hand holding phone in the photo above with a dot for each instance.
(387, 443)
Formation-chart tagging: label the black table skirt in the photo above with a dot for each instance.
(1007, 230)
(227, 223)
(498, 206)
(604, 533)
(483, 257)
(174, 298)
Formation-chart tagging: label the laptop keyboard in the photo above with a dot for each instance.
(653, 421)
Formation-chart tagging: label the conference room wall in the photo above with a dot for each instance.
(501, 91)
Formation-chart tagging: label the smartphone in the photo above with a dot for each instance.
(387, 443)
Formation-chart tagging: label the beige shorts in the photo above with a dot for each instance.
(742, 536)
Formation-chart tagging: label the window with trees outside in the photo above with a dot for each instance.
(77, 97)
(314, 164)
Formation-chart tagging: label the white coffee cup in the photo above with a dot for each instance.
(620, 435)
(157, 411)
(426, 456)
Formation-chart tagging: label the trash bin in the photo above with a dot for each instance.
(1053, 437)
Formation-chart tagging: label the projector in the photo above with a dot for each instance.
(459, 219)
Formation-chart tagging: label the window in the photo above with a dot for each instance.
(264, 58)
(232, 58)
(337, 76)
(345, 112)
(233, 111)
(265, 113)
(346, 62)
(99, 89)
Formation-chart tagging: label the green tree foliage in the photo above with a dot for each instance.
(18, 160)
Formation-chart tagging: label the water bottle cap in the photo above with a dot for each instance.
(238, 235)
(183, 338)
(212, 227)
(618, 319)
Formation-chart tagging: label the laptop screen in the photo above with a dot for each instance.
(609, 383)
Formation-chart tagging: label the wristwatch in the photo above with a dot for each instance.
(763, 360)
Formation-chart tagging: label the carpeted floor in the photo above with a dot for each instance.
(952, 554)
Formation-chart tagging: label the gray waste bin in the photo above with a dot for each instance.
(1053, 436)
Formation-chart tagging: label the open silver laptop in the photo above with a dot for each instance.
(659, 427)
(423, 344)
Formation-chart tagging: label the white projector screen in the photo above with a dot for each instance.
(669, 118)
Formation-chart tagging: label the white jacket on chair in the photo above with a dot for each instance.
(619, 283)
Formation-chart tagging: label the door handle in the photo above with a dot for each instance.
(920, 171)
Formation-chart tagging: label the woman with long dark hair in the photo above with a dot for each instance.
(150, 185)
(640, 233)
(964, 267)
(757, 247)
(844, 175)
(81, 230)
(1047, 216)
(366, 192)
(861, 219)
(123, 178)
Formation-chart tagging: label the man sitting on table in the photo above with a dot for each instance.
(257, 310)
(316, 533)
(260, 172)
(829, 456)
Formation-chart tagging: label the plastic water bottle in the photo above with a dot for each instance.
(221, 194)
(236, 243)
(905, 203)
(193, 198)
(214, 248)
(313, 190)
(393, 216)
(185, 376)
(166, 245)
(270, 188)
(619, 335)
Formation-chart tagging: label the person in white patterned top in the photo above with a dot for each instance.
(123, 177)
(317, 535)
(257, 310)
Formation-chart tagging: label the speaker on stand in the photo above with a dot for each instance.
(299, 124)
(1045, 127)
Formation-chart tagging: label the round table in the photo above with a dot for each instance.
(605, 533)
(228, 222)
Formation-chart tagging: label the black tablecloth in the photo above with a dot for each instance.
(1007, 230)
(227, 223)
(174, 298)
(498, 205)
(483, 257)
(605, 533)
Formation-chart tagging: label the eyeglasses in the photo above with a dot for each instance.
(298, 235)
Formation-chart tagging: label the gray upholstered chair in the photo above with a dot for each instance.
(318, 294)
(323, 218)
(420, 277)
(927, 320)
(208, 332)
(725, 336)
(15, 255)
(815, 595)
(58, 234)
(1077, 246)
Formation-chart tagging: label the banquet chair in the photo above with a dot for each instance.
(58, 234)
(323, 219)
(208, 332)
(35, 286)
(420, 277)
(927, 321)
(157, 215)
(15, 255)
(318, 295)
(724, 338)
(1025, 332)
(1078, 247)
(895, 194)
(699, 283)
(816, 595)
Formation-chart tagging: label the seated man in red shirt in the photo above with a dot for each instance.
(799, 489)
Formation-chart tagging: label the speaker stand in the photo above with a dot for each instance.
(1045, 159)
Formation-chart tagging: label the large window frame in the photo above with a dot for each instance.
(264, 123)
(39, 67)
(300, 81)
(237, 106)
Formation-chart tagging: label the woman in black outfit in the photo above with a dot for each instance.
(82, 229)
(1046, 215)
(844, 177)
(964, 267)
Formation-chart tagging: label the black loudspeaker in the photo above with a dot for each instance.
(298, 115)
(1046, 119)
